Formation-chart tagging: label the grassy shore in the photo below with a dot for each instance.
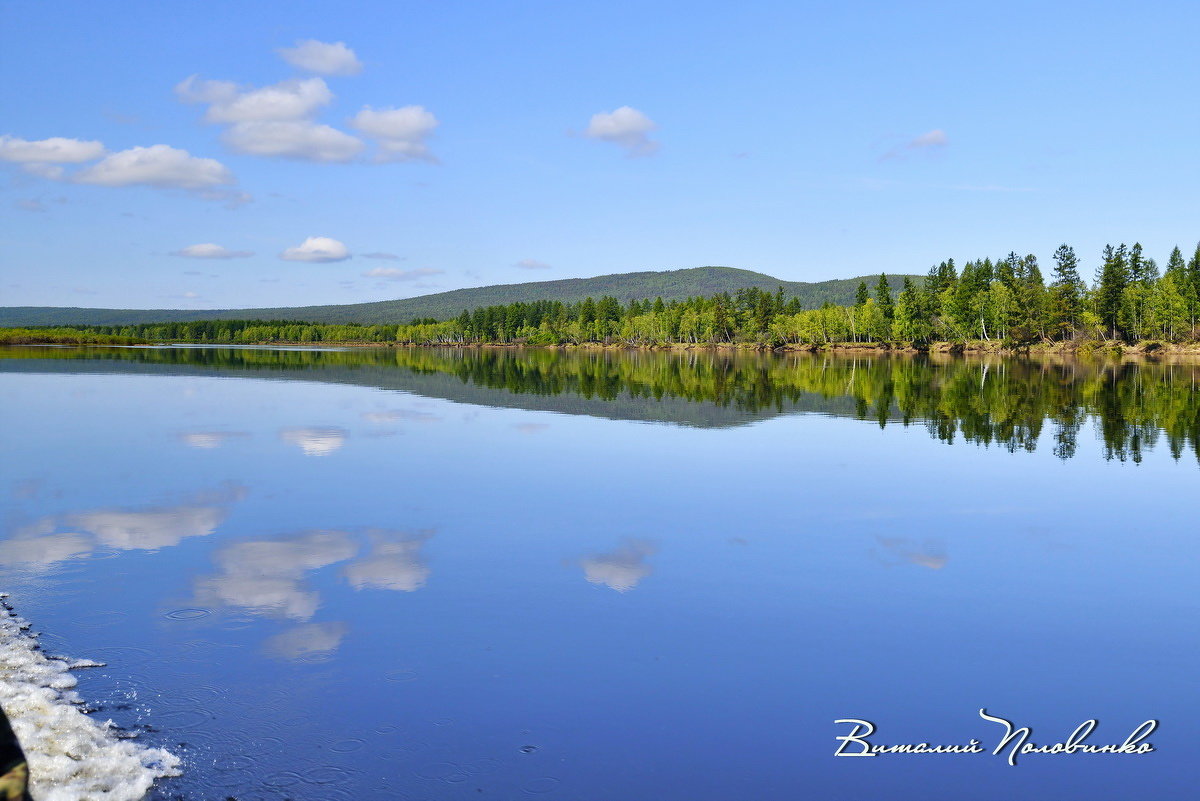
(62, 336)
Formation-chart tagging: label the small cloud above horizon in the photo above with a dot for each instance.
(317, 249)
(209, 250)
(625, 127)
(274, 120)
(155, 166)
(399, 132)
(532, 264)
(323, 58)
(382, 255)
(55, 150)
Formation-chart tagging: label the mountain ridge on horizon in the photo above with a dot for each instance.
(667, 284)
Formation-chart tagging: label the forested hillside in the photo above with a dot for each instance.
(668, 285)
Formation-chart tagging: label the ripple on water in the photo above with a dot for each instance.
(283, 778)
(545, 784)
(198, 696)
(327, 774)
(188, 613)
(348, 745)
(482, 766)
(105, 553)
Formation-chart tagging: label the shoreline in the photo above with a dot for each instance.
(1151, 349)
(69, 752)
(1110, 349)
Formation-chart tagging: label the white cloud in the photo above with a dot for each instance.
(621, 569)
(195, 89)
(307, 642)
(315, 441)
(45, 550)
(322, 57)
(159, 166)
(51, 172)
(207, 440)
(55, 150)
(210, 251)
(532, 264)
(317, 249)
(626, 127)
(400, 132)
(300, 139)
(295, 99)
(152, 529)
(381, 255)
(266, 576)
(395, 563)
(290, 556)
(273, 120)
(393, 274)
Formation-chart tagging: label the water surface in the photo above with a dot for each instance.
(501, 574)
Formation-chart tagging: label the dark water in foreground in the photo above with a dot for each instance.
(500, 574)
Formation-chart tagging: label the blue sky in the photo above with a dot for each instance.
(509, 142)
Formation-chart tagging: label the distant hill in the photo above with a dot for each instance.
(669, 285)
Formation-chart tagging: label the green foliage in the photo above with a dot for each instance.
(62, 336)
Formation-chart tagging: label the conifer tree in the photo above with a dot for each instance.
(1111, 281)
(883, 296)
(1066, 293)
(862, 295)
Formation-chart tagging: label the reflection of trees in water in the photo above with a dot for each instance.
(1002, 402)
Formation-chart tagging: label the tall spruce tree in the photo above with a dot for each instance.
(1066, 293)
(1111, 281)
(883, 296)
(861, 295)
(1031, 295)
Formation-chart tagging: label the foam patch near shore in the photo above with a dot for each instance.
(71, 755)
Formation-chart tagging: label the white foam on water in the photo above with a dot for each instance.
(71, 755)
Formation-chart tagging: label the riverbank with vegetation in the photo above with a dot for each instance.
(64, 336)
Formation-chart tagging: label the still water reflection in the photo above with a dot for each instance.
(494, 573)
(988, 401)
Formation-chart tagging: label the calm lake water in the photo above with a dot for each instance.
(424, 574)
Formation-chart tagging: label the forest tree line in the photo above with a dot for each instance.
(1007, 301)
